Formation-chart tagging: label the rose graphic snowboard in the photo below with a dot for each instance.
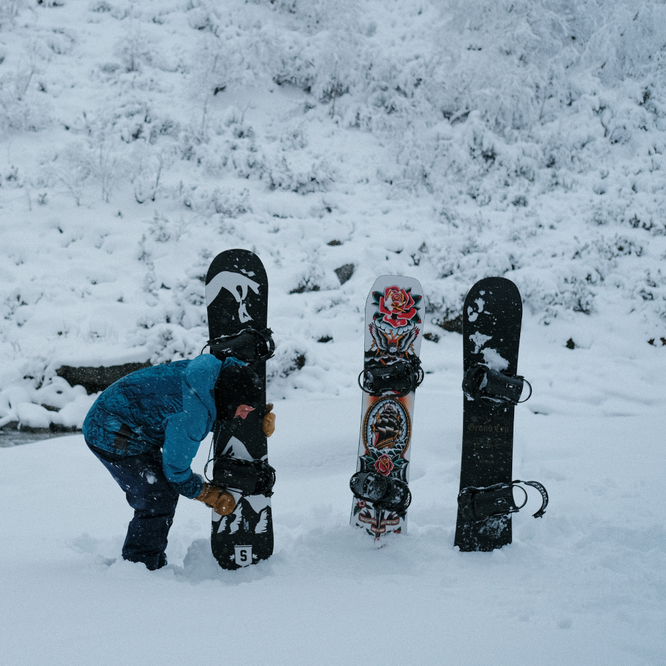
(391, 373)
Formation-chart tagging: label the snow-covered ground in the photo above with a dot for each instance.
(444, 140)
(583, 585)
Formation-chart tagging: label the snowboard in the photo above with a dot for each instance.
(492, 315)
(391, 373)
(237, 303)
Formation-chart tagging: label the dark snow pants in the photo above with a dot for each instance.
(153, 499)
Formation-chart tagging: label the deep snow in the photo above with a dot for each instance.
(583, 585)
(443, 140)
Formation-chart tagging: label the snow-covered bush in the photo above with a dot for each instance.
(443, 139)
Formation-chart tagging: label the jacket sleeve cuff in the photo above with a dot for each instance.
(190, 488)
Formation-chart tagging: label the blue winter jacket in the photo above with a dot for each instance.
(169, 406)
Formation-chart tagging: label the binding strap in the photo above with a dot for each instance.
(397, 376)
(250, 345)
(544, 496)
(247, 477)
(481, 381)
(497, 500)
(384, 492)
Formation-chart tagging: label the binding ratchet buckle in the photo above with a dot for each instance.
(250, 345)
(481, 381)
(397, 376)
(497, 500)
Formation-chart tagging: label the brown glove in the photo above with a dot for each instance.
(218, 499)
(268, 422)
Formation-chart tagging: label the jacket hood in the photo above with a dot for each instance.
(201, 375)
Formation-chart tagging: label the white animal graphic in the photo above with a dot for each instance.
(237, 285)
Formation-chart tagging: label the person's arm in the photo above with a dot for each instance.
(181, 444)
(183, 435)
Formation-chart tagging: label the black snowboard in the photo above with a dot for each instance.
(237, 303)
(491, 333)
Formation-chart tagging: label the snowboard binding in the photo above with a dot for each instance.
(481, 381)
(384, 492)
(250, 346)
(247, 477)
(477, 504)
(398, 377)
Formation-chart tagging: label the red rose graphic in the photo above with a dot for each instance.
(384, 465)
(397, 306)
